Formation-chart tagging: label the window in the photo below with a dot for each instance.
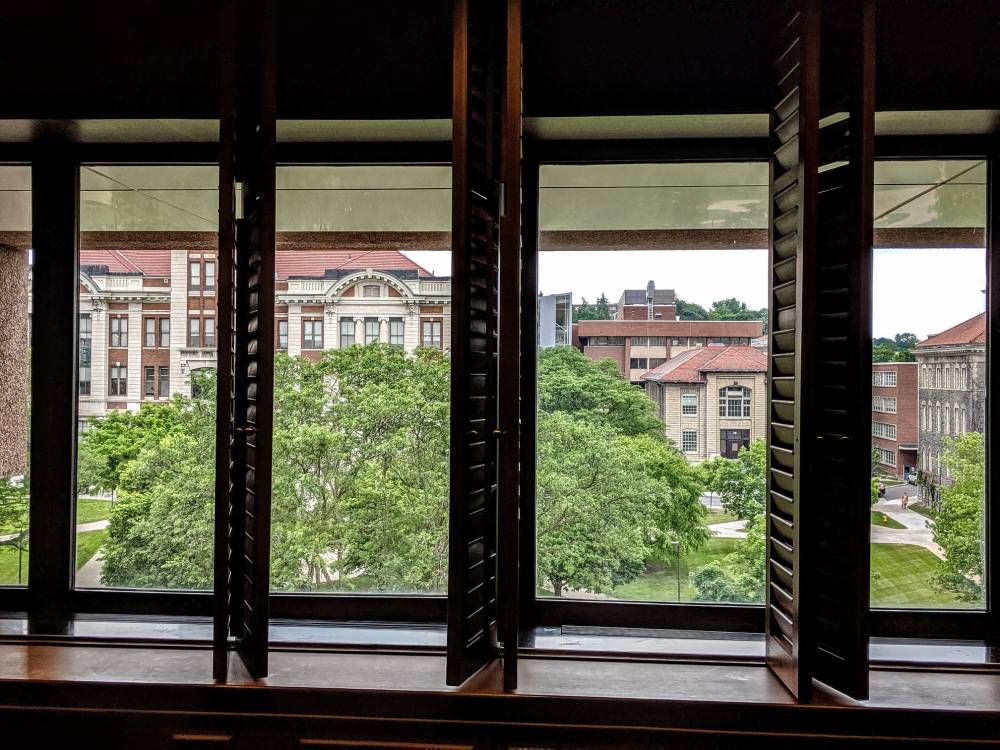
(178, 472)
(655, 362)
(119, 332)
(886, 457)
(689, 441)
(884, 404)
(312, 334)
(883, 430)
(209, 332)
(371, 330)
(884, 378)
(119, 381)
(194, 332)
(605, 341)
(346, 332)
(734, 402)
(689, 404)
(209, 275)
(430, 333)
(86, 340)
(164, 390)
(657, 340)
(637, 363)
(396, 332)
(361, 440)
(283, 335)
(640, 340)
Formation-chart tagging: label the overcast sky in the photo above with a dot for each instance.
(916, 291)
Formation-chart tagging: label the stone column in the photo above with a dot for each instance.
(13, 362)
(383, 330)
(359, 331)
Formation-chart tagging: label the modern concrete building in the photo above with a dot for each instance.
(712, 399)
(555, 319)
(952, 390)
(894, 417)
(148, 316)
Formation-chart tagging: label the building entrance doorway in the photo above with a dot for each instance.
(731, 441)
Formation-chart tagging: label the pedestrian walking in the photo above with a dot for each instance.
(905, 501)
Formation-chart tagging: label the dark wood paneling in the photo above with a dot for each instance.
(992, 519)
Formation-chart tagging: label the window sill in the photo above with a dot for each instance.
(569, 696)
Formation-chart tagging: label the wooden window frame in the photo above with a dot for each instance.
(50, 600)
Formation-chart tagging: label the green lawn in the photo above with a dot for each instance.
(87, 545)
(905, 576)
(881, 519)
(922, 510)
(719, 516)
(89, 510)
(660, 582)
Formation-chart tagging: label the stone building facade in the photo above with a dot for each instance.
(148, 316)
(951, 369)
(712, 399)
(894, 417)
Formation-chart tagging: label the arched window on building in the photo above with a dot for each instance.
(964, 426)
(947, 419)
(734, 401)
(937, 417)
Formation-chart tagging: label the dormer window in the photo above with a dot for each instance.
(371, 290)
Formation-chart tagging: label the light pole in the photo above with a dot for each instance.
(677, 554)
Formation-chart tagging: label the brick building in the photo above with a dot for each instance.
(148, 316)
(712, 399)
(645, 304)
(952, 390)
(642, 345)
(894, 417)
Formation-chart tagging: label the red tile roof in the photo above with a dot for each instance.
(317, 262)
(145, 262)
(288, 262)
(692, 366)
(971, 331)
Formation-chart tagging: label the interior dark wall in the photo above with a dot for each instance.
(389, 58)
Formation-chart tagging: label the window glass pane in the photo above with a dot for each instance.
(361, 425)
(929, 388)
(145, 464)
(641, 495)
(15, 331)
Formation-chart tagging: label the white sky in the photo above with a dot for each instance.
(916, 291)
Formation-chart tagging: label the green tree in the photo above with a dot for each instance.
(600, 310)
(741, 484)
(595, 392)
(959, 523)
(690, 311)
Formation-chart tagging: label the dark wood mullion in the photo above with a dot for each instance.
(509, 412)
(527, 552)
(55, 219)
(991, 562)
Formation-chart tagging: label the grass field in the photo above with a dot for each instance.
(87, 545)
(660, 584)
(881, 519)
(905, 575)
(719, 516)
(922, 510)
(89, 510)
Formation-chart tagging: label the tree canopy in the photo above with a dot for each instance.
(959, 523)
(600, 310)
(897, 349)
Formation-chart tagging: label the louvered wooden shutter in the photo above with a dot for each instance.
(820, 355)
(246, 348)
(472, 569)
(510, 420)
